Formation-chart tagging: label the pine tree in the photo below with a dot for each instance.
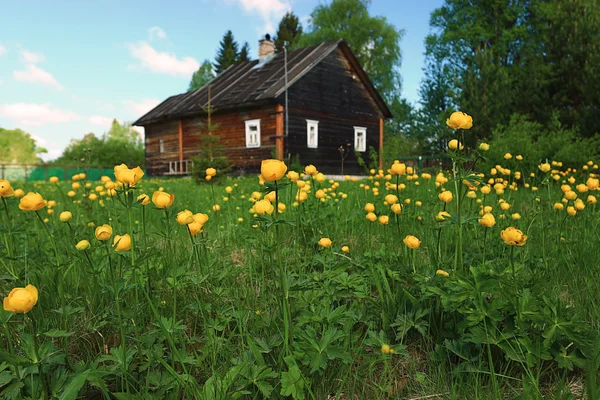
(244, 55)
(290, 30)
(227, 54)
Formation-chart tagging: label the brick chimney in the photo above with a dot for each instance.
(266, 48)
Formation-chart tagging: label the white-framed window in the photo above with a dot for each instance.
(312, 134)
(253, 133)
(360, 138)
(161, 145)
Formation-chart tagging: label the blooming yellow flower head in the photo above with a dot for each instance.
(442, 215)
(18, 193)
(82, 245)
(385, 349)
(325, 242)
(454, 145)
(293, 176)
(6, 189)
(398, 169)
(391, 199)
(65, 216)
(264, 207)
(441, 272)
(445, 196)
(384, 220)
(272, 170)
(345, 249)
(572, 211)
(513, 236)
(320, 194)
(21, 300)
(396, 208)
(516, 216)
(211, 172)
(162, 199)
(122, 243)
(185, 217)
(32, 202)
(459, 120)
(371, 217)
(545, 167)
(310, 170)
(103, 232)
(128, 176)
(484, 147)
(412, 242)
(487, 220)
(591, 199)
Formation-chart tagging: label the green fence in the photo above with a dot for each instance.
(42, 172)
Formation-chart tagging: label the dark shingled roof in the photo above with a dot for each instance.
(250, 83)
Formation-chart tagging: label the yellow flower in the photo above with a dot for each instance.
(109, 185)
(162, 199)
(21, 300)
(345, 249)
(75, 185)
(579, 205)
(320, 177)
(396, 208)
(18, 193)
(103, 232)
(128, 176)
(53, 179)
(412, 242)
(65, 216)
(293, 176)
(445, 196)
(264, 207)
(391, 199)
(519, 157)
(558, 206)
(507, 156)
(591, 199)
(93, 196)
(454, 144)
(371, 217)
(484, 147)
(592, 183)
(545, 167)
(71, 193)
(442, 215)
(82, 245)
(320, 194)
(310, 170)
(442, 273)
(487, 220)
(272, 170)
(369, 207)
(459, 120)
(185, 217)
(516, 216)
(32, 202)
(385, 349)
(143, 199)
(6, 189)
(384, 220)
(211, 172)
(198, 223)
(398, 169)
(325, 242)
(513, 236)
(122, 243)
(571, 211)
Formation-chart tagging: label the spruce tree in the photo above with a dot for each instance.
(244, 55)
(227, 54)
(290, 29)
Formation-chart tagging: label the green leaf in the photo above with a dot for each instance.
(73, 387)
(55, 333)
(13, 391)
(292, 383)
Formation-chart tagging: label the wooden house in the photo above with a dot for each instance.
(331, 103)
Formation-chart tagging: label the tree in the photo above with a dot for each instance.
(17, 146)
(373, 40)
(121, 144)
(227, 54)
(290, 30)
(244, 55)
(202, 76)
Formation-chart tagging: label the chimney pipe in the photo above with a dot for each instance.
(266, 48)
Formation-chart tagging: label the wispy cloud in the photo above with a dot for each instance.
(162, 62)
(156, 32)
(36, 114)
(141, 107)
(100, 120)
(269, 10)
(31, 57)
(34, 74)
(2, 50)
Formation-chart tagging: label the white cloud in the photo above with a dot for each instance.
(36, 114)
(32, 58)
(142, 106)
(269, 10)
(40, 141)
(2, 50)
(156, 32)
(33, 74)
(100, 120)
(162, 62)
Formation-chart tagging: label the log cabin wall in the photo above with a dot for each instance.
(231, 128)
(332, 94)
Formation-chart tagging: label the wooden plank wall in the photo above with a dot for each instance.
(156, 162)
(332, 94)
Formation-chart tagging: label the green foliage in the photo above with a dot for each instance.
(121, 144)
(227, 53)
(17, 146)
(202, 76)
(211, 154)
(289, 29)
(244, 55)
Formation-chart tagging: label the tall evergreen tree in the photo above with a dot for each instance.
(227, 54)
(244, 55)
(290, 30)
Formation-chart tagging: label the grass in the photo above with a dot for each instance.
(253, 307)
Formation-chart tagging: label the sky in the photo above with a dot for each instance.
(69, 67)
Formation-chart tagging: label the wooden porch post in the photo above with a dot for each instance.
(380, 143)
(279, 132)
(180, 131)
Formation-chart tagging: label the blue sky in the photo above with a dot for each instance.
(68, 68)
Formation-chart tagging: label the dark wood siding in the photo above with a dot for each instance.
(230, 127)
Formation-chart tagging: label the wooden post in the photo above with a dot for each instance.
(380, 143)
(180, 130)
(279, 132)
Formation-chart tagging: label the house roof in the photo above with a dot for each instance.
(250, 83)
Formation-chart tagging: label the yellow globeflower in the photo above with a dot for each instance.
(396, 208)
(320, 194)
(507, 156)
(391, 199)
(162, 199)
(122, 243)
(103, 232)
(21, 300)
(345, 249)
(571, 211)
(545, 167)
(442, 215)
(325, 242)
(82, 245)
(185, 217)
(32, 202)
(559, 206)
(6, 189)
(143, 199)
(445, 196)
(487, 220)
(128, 176)
(384, 220)
(211, 172)
(454, 145)
(198, 223)
(459, 120)
(513, 236)
(371, 217)
(442, 273)
(484, 147)
(18, 193)
(579, 205)
(53, 179)
(385, 349)
(272, 170)
(65, 216)
(398, 169)
(310, 170)
(516, 216)
(412, 242)
(591, 199)
(262, 207)
(369, 207)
